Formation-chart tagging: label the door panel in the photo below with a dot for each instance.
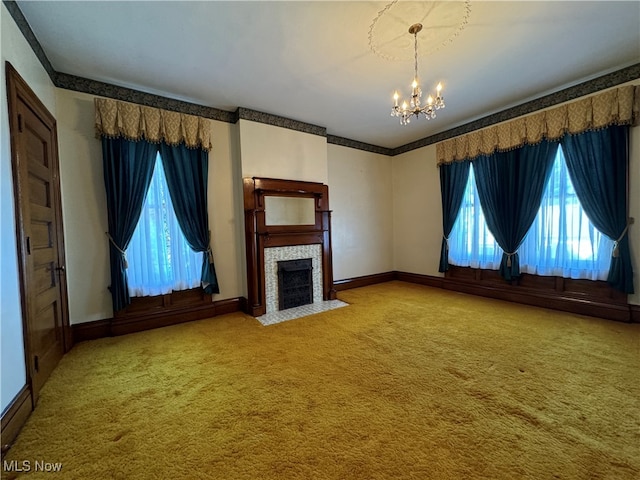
(39, 219)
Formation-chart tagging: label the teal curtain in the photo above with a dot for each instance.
(186, 171)
(128, 168)
(598, 163)
(453, 181)
(510, 187)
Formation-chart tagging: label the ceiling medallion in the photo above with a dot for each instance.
(446, 20)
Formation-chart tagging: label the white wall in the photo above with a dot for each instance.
(84, 209)
(275, 152)
(85, 215)
(361, 198)
(417, 212)
(16, 50)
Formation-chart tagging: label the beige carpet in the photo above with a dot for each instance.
(407, 382)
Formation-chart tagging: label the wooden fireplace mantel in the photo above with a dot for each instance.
(259, 235)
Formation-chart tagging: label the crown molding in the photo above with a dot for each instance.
(278, 121)
(94, 87)
(29, 36)
(367, 147)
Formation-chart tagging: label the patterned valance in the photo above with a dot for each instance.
(131, 121)
(613, 107)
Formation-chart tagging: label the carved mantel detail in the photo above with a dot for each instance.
(259, 235)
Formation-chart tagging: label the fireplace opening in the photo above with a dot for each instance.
(295, 283)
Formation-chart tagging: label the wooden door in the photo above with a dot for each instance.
(34, 154)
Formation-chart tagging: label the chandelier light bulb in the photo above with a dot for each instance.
(404, 113)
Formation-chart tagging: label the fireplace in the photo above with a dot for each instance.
(295, 284)
(285, 234)
(276, 256)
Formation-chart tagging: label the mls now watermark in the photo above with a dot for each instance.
(29, 466)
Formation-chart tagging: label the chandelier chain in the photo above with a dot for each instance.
(415, 55)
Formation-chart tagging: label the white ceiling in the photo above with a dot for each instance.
(311, 61)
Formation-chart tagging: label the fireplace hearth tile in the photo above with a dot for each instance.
(299, 312)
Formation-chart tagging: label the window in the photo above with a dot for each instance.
(561, 241)
(159, 257)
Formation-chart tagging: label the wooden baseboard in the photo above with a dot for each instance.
(91, 330)
(137, 322)
(363, 281)
(15, 417)
(428, 280)
(556, 301)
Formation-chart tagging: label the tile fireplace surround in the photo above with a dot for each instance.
(296, 252)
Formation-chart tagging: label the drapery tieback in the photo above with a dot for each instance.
(616, 250)
(509, 255)
(446, 240)
(122, 252)
(209, 252)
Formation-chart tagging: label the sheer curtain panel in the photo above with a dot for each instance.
(160, 259)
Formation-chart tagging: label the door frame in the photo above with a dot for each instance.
(18, 89)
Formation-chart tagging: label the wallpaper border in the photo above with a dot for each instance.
(367, 147)
(571, 93)
(30, 37)
(94, 87)
(278, 121)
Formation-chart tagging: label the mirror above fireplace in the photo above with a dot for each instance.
(280, 210)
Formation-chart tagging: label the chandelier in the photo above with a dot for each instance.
(415, 107)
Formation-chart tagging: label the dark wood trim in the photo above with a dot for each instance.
(364, 281)
(259, 235)
(154, 318)
(427, 280)
(635, 313)
(125, 324)
(611, 309)
(15, 417)
(91, 330)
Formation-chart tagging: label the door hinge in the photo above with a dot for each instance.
(28, 245)
(36, 363)
(20, 123)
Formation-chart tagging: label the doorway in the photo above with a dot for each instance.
(39, 232)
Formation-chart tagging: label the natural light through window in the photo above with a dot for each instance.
(561, 241)
(159, 258)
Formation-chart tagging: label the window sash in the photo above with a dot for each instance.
(562, 241)
(159, 258)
